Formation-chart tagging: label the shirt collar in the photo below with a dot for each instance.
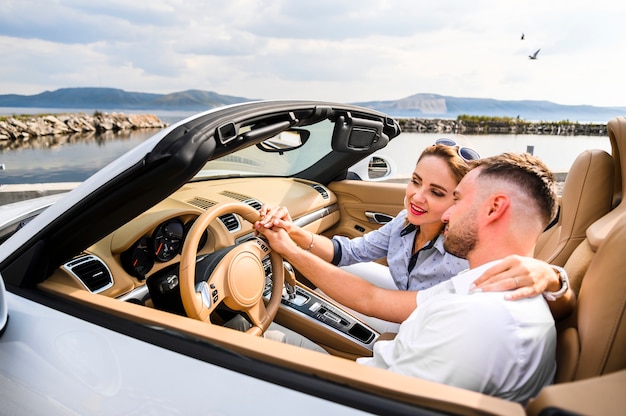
(438, 240)
(439, 243)
(408, 229)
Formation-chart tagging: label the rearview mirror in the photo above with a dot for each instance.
(285, 141)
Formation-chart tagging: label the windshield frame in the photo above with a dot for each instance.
(254, 161)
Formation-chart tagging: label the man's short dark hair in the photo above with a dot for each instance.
(529, 174)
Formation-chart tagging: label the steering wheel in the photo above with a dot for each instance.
(238, 280)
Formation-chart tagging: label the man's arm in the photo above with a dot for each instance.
(343, 287)
(474, 342)
(527, 277)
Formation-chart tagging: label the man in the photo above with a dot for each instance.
(474, 340)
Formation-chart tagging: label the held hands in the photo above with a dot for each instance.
(524, 277)
(275, 224)
(275, 217)
(278, 239)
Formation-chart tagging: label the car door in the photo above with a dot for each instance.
(365, 206)
(370, 197)
(54, 363)
(74, 352)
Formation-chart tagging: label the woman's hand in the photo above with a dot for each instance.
(275, 218)
(521, 277)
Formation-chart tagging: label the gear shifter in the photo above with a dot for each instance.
(290, 282)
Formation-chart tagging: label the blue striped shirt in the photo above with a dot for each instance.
(395, 240)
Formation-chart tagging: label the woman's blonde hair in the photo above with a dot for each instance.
(458, 166)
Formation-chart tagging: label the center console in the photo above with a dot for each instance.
(319, 310)
(318, 317)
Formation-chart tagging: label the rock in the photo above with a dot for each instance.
(500, 126)
(63, 124)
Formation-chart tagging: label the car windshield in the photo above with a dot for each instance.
(253, 161)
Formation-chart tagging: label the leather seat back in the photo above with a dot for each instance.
(592, 341)
(587, 195)
(591, 346)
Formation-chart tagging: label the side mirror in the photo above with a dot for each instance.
(4, 308)
(375, 168)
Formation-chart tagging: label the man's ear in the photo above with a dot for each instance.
(498, 205)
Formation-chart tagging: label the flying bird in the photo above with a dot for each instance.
(522, 36)
(534, 55)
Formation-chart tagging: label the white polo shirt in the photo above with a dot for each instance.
(478, 341)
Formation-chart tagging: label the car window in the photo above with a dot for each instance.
(253, 161)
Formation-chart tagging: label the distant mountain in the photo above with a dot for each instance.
(418, 105)
(112, 98)
(195, 99)
(439, 106)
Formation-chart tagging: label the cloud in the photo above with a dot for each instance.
(62, 22)
(351, 50)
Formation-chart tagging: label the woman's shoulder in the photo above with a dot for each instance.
(400, 220)
(400, 216)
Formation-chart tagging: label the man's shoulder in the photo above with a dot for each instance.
(487, 314)
(492, 302)
(464, 279)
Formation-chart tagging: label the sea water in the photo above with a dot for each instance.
(73, 159)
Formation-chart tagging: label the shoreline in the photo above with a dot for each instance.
(11, 193)
(500, 125)
(26, 127)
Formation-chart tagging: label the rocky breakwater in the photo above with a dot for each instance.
(500, 126)
(25, 128)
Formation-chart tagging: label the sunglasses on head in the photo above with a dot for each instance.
(465, 153)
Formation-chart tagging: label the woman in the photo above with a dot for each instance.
(413, 241)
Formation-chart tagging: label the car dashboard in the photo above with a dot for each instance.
(123, 264)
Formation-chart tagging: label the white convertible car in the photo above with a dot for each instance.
(113, 296)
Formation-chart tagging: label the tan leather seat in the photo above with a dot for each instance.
(591, 347)
(616, 129)
(578, 261)
(592, 341)
(588, 337)
(587, 195)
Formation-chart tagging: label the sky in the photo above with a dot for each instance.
(346, 51)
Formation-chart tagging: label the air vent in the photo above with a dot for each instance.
(201, 202)
(321, 190)
(235, 195)
(92, 272)
(231, 222)
(254, 203)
